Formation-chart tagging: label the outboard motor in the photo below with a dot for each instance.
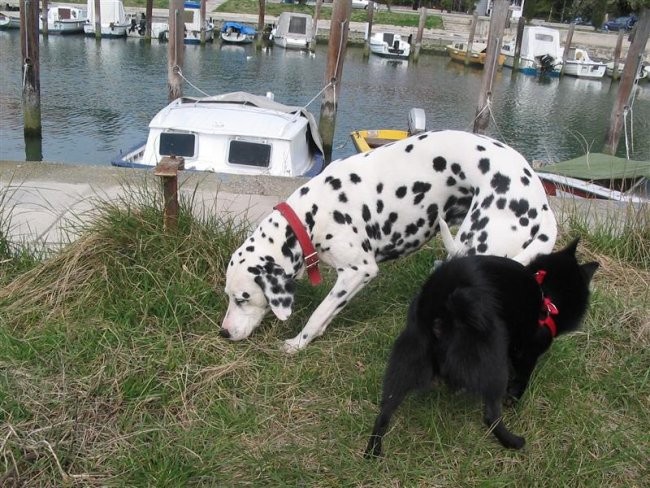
(396, 45)
(547, 63)
(417, 121)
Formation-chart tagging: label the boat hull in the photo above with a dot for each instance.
(584, 70)
(532, 67)
(108, 31)
(475, 58)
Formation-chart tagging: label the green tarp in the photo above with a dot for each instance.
(597, 166)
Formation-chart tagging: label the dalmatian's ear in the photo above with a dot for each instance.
(279, 290)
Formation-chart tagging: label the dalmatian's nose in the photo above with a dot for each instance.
(224, 333)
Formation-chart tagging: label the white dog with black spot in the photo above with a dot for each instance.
(382, 205)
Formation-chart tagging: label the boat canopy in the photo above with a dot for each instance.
(538, 41)
(598, 166)
(237, 27)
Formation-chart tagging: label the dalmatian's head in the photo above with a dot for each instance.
(254, 285)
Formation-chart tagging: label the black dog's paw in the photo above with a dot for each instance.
(373, 450)
(510, 401)
(514, 442)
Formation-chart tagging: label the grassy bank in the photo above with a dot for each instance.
(112, 372)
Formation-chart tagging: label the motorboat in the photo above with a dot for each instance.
(293, 31)
(64, 20)
(578, 63)
(236, 33)
(238, 133)
(389, 45)
(114, 22)
(477, 55)
(540, 52)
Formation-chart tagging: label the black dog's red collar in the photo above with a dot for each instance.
(548, 307)
(308, 249)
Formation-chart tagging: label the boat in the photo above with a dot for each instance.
(597, 175)
(237, 33)
(193, 25)
(458, 52)
(293, 31)
(389, 45)
(138, 28)
(114, 22)
(609, 70)
(365, 140)
(64, 20)
(237, 133)
(578, 63)
(9, 22)
(540, 52)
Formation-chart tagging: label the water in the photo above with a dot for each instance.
(98, 97)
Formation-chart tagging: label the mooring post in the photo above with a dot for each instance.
(202, 14)
(339, 27)
(521, 23)
(31, 68)
(617, 54)
(497, 25)
(45, 27)
(472, 33)
(418, 36)
(260, 24)
(370, 16)
(167, 169)
(312, 42)
(148, 20)
(567, 46)
(625, 87)
(98, 19)
(175, 49)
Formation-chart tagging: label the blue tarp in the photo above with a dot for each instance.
(237, 27)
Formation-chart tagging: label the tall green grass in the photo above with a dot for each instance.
(112, 373)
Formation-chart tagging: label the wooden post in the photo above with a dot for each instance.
(31, 68)
(260, 24)
(497, 25)
(44, 27)
(176, 49)
(312, 43)
(567, 46)
(339, 27)
(202, 14)
(617, 54)
(418, 36)
(626, 85)
(98, 19)
(148, 20)
(518, 40)
(370, 16)
(168, 169)
(472, 33)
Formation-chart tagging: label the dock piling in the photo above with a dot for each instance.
(98, 19)
(418, 36)
(44, 10)
(31, 96)
(167, 169)
(472, 33)
(175, 51)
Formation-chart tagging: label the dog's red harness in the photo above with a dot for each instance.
(308, 249)
(548, 307)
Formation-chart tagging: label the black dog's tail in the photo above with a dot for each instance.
(471, 308)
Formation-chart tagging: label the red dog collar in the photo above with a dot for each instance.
(308, 249)
(548, 307)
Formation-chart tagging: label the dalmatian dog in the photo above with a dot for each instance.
(381, 205)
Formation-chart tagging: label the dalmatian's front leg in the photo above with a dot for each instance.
(350, 280)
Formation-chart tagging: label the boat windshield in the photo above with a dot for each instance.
(298, 25)
(175, 144)
(249, 153)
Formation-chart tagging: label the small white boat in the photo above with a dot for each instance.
(236, 133)
(114, 22)
(642, 73)
(8, 22)
(293, 31)
(578, 63)
(540, 52)
(236, 33)
(193, 25)
(389, 45)
(64, 20)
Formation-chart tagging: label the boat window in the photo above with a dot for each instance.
(298, 25)
(249, 153)
(174, 144)
(544, 37)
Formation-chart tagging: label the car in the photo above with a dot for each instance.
(363, 4)
(620, 23)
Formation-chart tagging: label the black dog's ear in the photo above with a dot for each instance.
(572, 247)
(588, 270)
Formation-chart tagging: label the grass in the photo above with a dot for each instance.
(112, 373)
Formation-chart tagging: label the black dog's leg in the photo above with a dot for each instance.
(492, 418)
(408, 369)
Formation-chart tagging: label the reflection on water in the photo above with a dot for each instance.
(98, 97)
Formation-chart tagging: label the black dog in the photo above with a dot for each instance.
(480, 323)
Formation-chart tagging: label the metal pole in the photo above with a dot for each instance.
(176, 49)
(497, 25)
(339, 27)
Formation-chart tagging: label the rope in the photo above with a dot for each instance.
(178, 70)
(626, 111)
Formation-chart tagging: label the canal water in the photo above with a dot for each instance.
(98, 97)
